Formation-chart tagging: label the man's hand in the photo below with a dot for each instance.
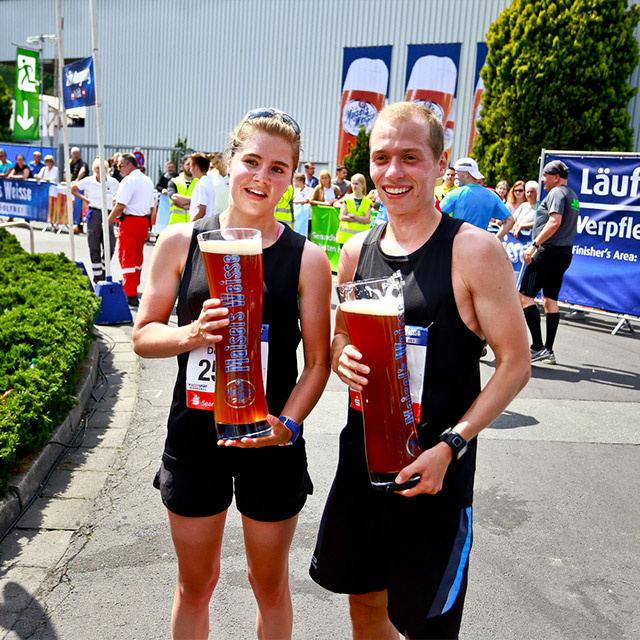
(431, 466)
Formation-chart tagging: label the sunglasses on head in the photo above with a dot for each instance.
(270, 112)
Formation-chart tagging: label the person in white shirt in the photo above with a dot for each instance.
(203, 197)
(220, 177)
(134, 204)
(525, 214)
(302, 194)
(48, 173)
(92, 195)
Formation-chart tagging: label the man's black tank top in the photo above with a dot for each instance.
(191, 434)
(452, 372)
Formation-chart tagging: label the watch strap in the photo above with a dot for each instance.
(457, 443)
(293, 426)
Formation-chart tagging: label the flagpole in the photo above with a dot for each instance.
(65, 133)
(103, 176)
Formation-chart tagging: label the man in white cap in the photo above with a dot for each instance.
(474, 203)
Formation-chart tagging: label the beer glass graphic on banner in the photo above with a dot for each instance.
(433, 84)
(373, 311)
(233, 262)
(363, 96)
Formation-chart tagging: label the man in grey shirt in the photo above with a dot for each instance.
(341, 181)
(548, 257)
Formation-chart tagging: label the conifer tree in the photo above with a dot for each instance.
(5, 111)
(556, 77)
(357, 161)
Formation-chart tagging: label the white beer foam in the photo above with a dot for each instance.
(367, 74)
(435, 73)
(246, 247)
(371, 307)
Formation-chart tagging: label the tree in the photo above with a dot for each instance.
(357, 161)
(556, 77)
(5, 111)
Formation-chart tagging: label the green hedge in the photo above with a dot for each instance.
(46, 315)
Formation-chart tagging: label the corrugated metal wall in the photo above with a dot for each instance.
(193, 69)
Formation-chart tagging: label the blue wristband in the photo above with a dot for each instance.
(293, 426)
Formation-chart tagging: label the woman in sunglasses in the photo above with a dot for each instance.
(198, 476)
(516, 196)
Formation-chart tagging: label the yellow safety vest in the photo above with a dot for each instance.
(178, 214)
(347, 229)
(284, 209)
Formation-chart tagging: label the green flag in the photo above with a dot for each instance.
(325, 221)
(27, 95)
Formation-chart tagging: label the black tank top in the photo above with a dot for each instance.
(191, 435)
(452, 372)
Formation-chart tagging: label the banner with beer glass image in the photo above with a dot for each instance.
(432, 80)
(365, 87)
(481, 58)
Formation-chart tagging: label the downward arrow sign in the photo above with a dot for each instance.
(25, 121)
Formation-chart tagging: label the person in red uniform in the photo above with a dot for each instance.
(134, 202)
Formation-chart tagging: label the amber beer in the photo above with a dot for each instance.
(433, 84)
(363, 96)
(376, 329)
(233, 262)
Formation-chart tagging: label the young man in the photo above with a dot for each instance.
(403, 557)
(548, 257)
(203, 198)
(448, 184)
(341, 181)
(311, 180)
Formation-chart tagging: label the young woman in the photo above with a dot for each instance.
(355, 212)
(325, 193)
(516, 196)
(197, 472)
(502, 188)
(525, 214)
(21, 170)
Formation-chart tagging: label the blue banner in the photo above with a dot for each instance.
(79, 89)
(24, 199)
(605, 271)
(365, 87)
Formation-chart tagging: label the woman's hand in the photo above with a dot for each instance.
(281, 435)
(212, 318)
(349, 368)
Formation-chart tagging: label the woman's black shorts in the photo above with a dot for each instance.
(270, 484)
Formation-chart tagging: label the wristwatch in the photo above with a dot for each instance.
(536, 245)
(293, 426)
(455, 441)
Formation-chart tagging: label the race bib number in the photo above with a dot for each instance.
(201, 373)
(416, 362)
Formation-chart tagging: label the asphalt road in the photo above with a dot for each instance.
(557, 524)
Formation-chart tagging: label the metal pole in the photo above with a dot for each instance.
(65, 132)
(103, 175)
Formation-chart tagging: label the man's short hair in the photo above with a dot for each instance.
(402, 111)
(340, 167)
(556, 168)
(298, 176)
(129, 158)
(308, 165)
(75, 149)
(201, 160)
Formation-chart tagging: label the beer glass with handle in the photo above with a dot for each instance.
(373, 311)
(233, 262)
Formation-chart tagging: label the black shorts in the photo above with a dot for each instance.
(546, 272)
(270, 484)
(415, 548)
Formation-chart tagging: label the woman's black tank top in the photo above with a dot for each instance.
(452, 372)
(191, 434)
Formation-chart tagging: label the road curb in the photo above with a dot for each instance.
(25, 485)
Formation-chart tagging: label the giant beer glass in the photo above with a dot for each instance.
(373, 311)
(233, 262)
